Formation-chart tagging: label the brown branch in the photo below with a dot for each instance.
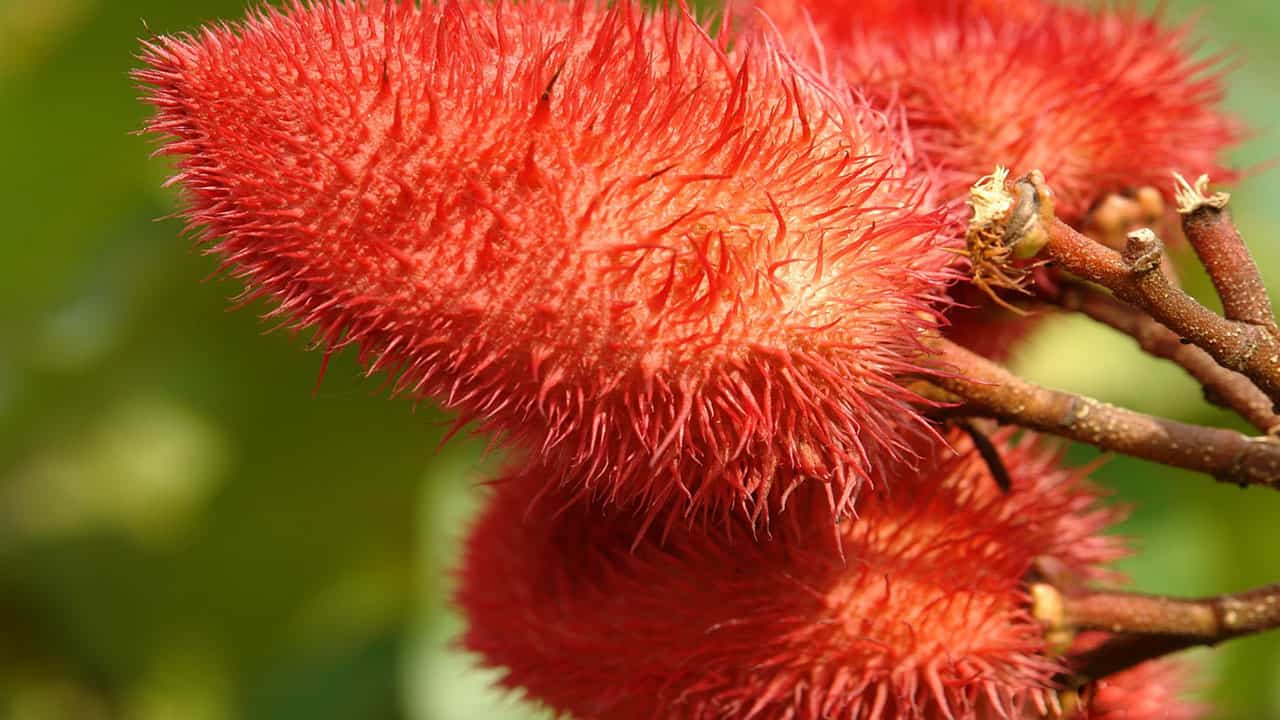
(1119, 653)
(1223, 387)
(1210, 619)
(1134, 277)
(985, 389)
(1217, 242)
(1148, 626)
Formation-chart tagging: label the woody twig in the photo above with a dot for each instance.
(1223, 387)
(1020, 218)
(1217, 242)
(1146, 626)
(982, 388)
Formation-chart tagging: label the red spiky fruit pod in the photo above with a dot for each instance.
(916, 609)
(1018, 84)
(590, 229)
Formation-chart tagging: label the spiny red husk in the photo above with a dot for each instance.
(1102, 100)
(917, 610)
(595, 231)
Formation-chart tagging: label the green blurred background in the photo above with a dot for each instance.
(189, 532)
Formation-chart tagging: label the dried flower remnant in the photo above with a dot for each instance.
(595, 231)
(922, 612)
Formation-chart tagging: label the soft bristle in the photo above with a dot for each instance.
(590, 229)
(916, 610)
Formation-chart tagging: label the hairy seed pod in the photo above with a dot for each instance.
(915, 610)
(1019, 84)
(687, 277)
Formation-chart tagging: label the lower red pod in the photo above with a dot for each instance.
(916, 608)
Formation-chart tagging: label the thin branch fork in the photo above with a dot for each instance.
(1018, 222)
(1133, 276)
(1222, 386)
(978, 387)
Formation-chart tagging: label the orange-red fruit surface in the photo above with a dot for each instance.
(686, 276)
(915, 610)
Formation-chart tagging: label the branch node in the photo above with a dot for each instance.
(1253, 464)
(1252, 338)
(1192, 197)
(1143, 251)
(1075, 409)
